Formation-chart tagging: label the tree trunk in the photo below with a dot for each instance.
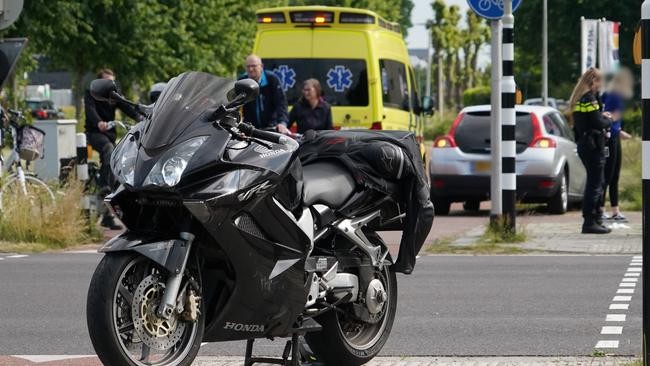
(77, 91)
(441, 100)
(459, 81)
(450, 70)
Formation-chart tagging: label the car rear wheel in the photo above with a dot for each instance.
(441, 206)
(559, 203)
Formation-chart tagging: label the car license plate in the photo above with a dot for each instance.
(481, 166)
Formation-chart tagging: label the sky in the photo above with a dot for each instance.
(422, 11)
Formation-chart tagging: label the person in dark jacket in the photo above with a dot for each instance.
(270, 107)
(102, 138)
(311, 111)
(590, 125)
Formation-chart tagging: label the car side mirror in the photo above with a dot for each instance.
(103, 89)
(245, 90)
(428, 105)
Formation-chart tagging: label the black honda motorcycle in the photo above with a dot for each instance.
(230, 237)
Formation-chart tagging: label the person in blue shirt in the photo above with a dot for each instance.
(620, 90)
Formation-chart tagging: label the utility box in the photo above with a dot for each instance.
(59, 144)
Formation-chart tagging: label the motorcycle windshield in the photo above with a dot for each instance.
(181, 104)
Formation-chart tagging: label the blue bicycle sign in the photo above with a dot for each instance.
(491, 9)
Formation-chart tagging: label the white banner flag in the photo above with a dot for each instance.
(589, 30)
(608, 60)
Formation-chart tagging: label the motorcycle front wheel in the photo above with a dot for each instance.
(347, 341)
(124, 292)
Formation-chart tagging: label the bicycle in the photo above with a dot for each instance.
(28, 146)
(93, 190)
(487, 4)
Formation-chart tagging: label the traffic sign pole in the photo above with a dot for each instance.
(508, 120)
(645, 163)
(503, 185)
(496, 210)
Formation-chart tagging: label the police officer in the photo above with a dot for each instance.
(590, 127)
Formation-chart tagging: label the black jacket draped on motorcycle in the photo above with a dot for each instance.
(386, 161)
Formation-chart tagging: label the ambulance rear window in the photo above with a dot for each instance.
(344, 81)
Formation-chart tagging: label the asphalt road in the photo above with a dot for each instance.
(451, 305)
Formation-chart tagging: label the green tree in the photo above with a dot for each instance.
(474, 36)
(564, 39)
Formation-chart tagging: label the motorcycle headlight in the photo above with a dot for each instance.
(168, 171)
(123, 159)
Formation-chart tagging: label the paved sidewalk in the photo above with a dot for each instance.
(562, 235)
(456, 361)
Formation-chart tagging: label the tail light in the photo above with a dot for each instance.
(454, 125)
(543, 142)
(337, 128)
(438, 183)
(41, 114)
(444, 141)
(376, 126)
(546, 183)
(538, 139)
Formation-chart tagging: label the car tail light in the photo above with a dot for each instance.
(538, 139)
(376, 126)
(438, 183)
(543, 142)
(337, 128)
(444, 141)
(546, 183)
(41, 114)
(452, 130)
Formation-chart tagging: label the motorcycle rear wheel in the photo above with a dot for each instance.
(108, 310)
(336, 346)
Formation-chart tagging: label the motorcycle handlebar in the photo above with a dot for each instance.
(262, 135)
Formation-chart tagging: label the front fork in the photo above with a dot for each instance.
(173, 285)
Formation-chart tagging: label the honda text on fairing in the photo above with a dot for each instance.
(232, 235)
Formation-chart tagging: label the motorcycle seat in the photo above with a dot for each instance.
(327, 183)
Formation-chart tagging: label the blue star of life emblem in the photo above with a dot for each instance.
(339, 78)
(286, 75)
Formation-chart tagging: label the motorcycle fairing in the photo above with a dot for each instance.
(267, 248)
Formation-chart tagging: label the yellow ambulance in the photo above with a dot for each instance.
(359, 58)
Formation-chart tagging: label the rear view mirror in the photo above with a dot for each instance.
(428, 105)
(102, 89)
(246, 90)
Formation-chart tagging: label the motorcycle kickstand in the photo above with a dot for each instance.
(292, 347)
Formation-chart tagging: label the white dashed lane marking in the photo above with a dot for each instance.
(13, 256)
(612, 330)
(615, 318)
(621, 303)
(607, 344)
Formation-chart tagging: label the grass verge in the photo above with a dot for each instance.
(37, 223)
(444, 246)
(630, 181)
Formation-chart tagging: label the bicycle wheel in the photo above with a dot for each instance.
(36, 193)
